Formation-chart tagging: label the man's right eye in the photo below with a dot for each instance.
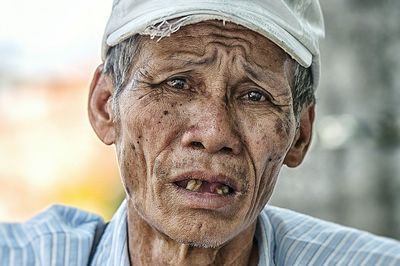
(178, 83)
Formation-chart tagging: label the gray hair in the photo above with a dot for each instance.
(118, 65)
(303, 92)
(120, 58)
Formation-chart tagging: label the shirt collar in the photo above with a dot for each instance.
(265, 240)
(113, 247)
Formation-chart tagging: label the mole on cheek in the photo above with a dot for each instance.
(166, 112)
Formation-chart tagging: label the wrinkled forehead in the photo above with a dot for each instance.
(196, 39)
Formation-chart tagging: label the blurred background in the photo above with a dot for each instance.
(49, 153)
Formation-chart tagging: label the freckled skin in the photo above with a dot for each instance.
(160, 126)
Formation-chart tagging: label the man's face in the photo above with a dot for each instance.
(203, 129)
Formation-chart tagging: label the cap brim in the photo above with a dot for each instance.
(197, 12)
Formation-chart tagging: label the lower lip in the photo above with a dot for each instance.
(207, 201)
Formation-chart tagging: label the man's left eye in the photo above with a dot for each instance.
(254, 96)
(178, 83)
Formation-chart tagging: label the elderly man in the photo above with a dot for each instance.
(204, 102)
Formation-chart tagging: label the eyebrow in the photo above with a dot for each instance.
(179, 64)
(260, 75)
(190, 62)
(256, 72)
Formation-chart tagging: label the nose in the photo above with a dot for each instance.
(213, 130)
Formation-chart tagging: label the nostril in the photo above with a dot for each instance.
(197, 145)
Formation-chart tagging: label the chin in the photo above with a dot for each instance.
(200, 232)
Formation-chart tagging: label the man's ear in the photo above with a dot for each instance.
(99, 106)
(302, 139)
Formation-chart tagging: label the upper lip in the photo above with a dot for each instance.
(209, 177)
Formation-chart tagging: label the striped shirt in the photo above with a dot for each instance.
(64, 236)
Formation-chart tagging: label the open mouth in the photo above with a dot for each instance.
(201, 186)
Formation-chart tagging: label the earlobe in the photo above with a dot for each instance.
(302, 140)
(99, 106)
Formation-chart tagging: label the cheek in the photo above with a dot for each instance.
(131, 168)
(143, 135)
(267, 142)
(148, 127)
(274, 143)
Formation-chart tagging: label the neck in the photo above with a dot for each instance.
(148, 246)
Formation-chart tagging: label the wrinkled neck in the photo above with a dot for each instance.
(148, 246)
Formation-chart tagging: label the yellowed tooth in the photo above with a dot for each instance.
(225, 189)
(197, 185)
(219, 191)
(191, 184)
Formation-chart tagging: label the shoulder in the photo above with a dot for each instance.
(304, 240)
(49, 237)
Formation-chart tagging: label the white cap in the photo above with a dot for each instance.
(294, 25)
